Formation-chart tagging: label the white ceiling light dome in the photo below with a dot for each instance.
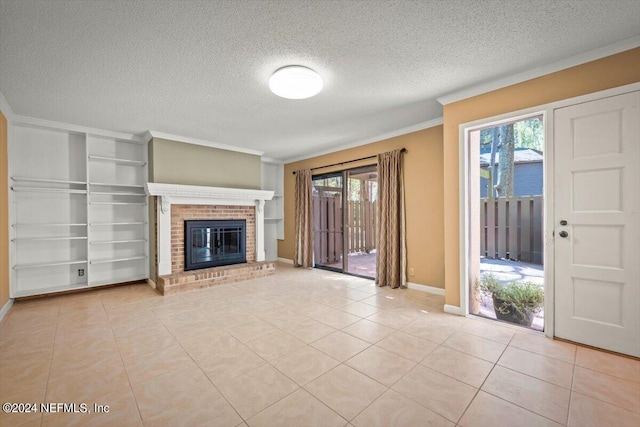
(295, 82)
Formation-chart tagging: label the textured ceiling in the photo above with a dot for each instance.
(200, 68)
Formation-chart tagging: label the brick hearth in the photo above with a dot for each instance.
(207, 277)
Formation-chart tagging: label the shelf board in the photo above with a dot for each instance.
(48, 264)
(118, 161)
(43, 239)
(108, 242)
(104, 261)
(118, 203)
(118, 280)
(117, 223)
(69, 287)
(105, 184)
(49, 225)
(56, 181)
(49, 190)
(115, 193)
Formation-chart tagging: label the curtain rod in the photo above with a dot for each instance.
(403, 150)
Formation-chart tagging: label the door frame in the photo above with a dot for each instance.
(548, 221)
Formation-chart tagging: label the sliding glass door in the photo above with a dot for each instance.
(344, 221)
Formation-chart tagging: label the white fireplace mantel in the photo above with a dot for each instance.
(176, 194)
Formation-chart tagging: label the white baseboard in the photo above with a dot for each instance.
(452, 309)
(425, 288)
(285, 261)
(4, 310)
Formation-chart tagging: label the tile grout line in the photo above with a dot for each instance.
(515, 404)
(268, 362)
(504, 400)
(199, 368)
(595, 397)
(122, 360)
(484, 381)
(53, 346)
(326, 404)
(573, 376)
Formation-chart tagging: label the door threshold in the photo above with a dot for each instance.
(336, 270)
(628, 356)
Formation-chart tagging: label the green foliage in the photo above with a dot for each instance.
(488, 284)
(520, 299)
(527, 134)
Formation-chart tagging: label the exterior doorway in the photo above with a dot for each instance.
(590, 221)
(344, 221)
(506, 183)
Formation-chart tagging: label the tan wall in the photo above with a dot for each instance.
(423, 194)
(606, 73)
(173, 162)
(4, 213)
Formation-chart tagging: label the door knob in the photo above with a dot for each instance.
(564, 234)
(563, 222)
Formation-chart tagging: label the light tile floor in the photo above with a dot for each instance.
(300, 348)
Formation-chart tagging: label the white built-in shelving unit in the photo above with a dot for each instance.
(78, 208)
(273, 179)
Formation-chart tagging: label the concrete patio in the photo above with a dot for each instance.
(361, 264)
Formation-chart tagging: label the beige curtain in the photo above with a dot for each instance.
(391, 256)
(304, 220)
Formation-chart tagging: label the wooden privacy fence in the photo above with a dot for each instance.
(327, 228)
(362, 226)
(511, 227)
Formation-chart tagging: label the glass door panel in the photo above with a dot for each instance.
(361, 205)
(328, 221)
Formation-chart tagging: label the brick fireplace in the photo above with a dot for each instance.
(182, 213)
(179, 203)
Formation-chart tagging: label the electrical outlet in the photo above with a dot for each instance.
(81, 272)
(412, 272)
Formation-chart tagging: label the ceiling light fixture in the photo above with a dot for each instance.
(295, 82)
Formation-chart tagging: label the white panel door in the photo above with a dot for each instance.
(597, 250)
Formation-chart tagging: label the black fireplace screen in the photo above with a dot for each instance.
(214, 243)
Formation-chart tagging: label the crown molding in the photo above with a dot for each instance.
(391, 134)
(543, 70)
(195, 141)
(147, 136)
(5, 108)
(66, 127)
(271, 161)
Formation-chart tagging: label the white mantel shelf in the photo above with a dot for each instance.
(220, 195)
(176, 194)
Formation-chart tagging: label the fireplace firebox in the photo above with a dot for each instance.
(214, 243)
